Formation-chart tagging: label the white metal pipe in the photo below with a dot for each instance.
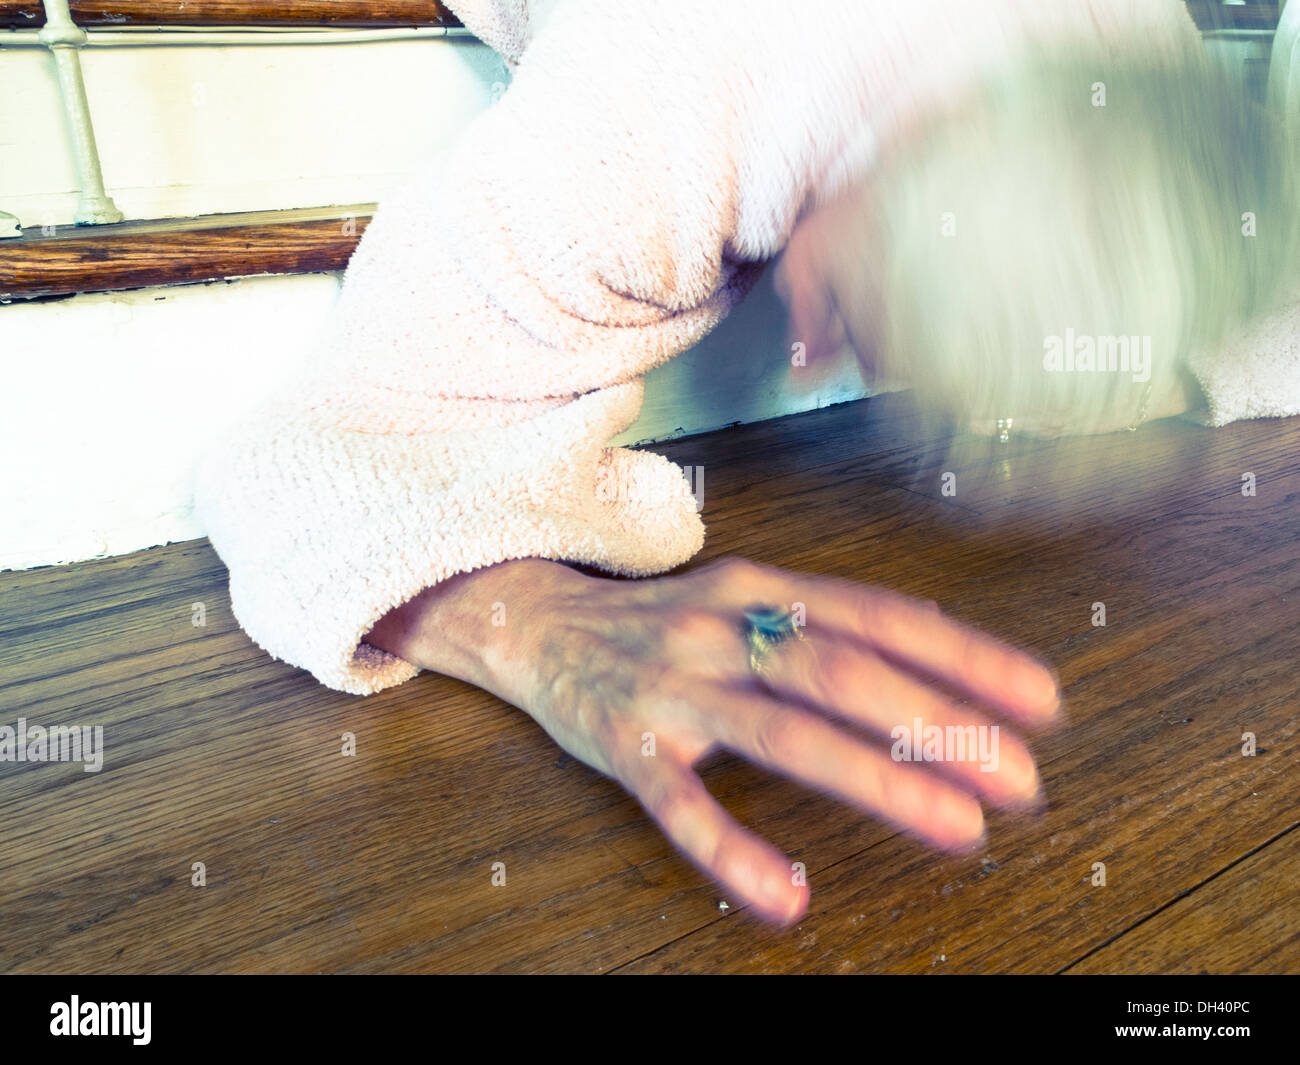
(63, 37)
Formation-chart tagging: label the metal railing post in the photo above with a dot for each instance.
(64, 37)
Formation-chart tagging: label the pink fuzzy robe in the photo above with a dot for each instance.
(501, 310)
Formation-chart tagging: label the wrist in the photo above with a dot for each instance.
(471, 625)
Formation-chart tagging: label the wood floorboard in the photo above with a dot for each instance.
(216, 753)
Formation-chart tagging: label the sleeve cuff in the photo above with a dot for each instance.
(1256, 374)
(326, 530)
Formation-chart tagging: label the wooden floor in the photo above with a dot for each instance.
(383, 862)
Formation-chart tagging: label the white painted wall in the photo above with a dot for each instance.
(190, 130)
(108, 398)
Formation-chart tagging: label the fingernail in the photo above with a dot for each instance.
(1037, 687)
(777, 894)
(1061, 715)
(1029, 798)
(1036, 803)
(789, 907)
(964, 818)
(1022, 787)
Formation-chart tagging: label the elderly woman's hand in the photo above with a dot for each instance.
(642, 679)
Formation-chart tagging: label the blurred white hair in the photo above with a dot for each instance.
(1066, 205)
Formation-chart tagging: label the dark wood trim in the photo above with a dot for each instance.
(179, 251)
(31, 15)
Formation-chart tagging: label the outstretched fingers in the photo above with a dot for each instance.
(911, 631)
(806, 746)
(744, 863)
(847, 679)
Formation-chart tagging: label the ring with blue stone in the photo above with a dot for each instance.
(766, 628)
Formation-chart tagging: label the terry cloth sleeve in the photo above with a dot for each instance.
(491, 335)
(1257, 374)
